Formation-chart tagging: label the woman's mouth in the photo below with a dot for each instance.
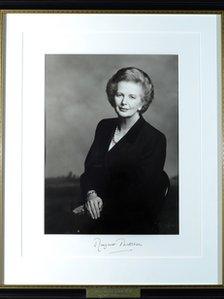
(123, 109)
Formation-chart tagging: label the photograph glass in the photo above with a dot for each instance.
(117, 165)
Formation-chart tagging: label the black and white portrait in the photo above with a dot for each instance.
(111, 144)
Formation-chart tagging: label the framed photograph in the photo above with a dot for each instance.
(112, 151)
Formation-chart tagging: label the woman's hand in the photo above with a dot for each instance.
(94, 204)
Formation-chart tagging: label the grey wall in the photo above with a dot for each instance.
(75, 102)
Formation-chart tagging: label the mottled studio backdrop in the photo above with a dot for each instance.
(75, 101)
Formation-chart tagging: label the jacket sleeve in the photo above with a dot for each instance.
(91, 179)
(151, 164)
(145, 190)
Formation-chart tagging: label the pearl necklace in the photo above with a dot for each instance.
(117, 136)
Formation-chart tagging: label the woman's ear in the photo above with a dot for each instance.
(140, 109)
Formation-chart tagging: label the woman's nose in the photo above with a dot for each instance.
(124, 100)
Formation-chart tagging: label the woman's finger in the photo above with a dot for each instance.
(100, 204)
(92, 204)
(97, 209)
(90, 209)
(95, 203)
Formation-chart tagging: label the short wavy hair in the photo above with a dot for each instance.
(131, 74)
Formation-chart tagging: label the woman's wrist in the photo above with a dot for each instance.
(91, 194)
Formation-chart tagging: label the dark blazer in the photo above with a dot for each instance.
(127, 177)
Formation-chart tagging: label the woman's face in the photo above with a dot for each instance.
(128, 98)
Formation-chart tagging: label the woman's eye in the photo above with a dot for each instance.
(118, 94)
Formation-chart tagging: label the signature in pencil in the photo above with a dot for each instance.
(116, 246)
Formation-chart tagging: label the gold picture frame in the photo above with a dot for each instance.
(97, 291)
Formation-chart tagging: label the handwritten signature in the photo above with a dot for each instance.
(117, 246)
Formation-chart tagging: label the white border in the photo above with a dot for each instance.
(43, 259)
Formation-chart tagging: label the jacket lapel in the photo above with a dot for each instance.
(129, 137)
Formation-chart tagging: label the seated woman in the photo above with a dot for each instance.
(122, 186)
